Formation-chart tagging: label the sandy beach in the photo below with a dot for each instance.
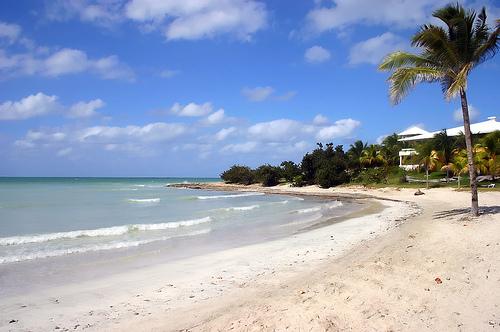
(407, 263)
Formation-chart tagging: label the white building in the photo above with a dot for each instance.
(414, 134)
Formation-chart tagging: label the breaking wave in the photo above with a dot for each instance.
(230, 196)
(97, 247)
(108, 231)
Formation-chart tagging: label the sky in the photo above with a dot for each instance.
(191, 87)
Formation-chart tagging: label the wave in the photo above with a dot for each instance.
(309, 210)
(144, 200)
(108, 231)
(332, 205)
(230, 196)
(99, 247)
(242, 208)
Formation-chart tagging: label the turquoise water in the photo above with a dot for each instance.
(49, 218)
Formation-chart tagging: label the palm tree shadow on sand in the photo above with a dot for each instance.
(483, 210)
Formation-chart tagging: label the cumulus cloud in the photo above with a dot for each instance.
(191, 109)
(340, 128)
(41, 104)
(373, 50)
(65, 61)
(224, 133)
(317, 54)
(168, 73)
(153, 132)
(279, 130)
(9, 31)
(215, 117)
(85, 109)
(473, 114)
(262, 93)
(339, 14)
(259, 93)
(29, 107)
(33, 137)
(320, 119)
(240, 147)
(193, 19)
(100, 12)
(64, 152)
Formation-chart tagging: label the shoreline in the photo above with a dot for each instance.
(312, 245)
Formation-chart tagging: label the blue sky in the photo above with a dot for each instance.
(188, 88)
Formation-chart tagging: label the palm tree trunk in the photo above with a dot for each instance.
(427, 177)
(470, 154)
(458, 182)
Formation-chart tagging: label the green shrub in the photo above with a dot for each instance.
(238, 174)
(298, 181)
(331, 173)
(290, 170)
(268, 175)
(372, 175)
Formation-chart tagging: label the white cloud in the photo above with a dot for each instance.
(317, 54)
(85, 109)
(340, 128)
(473, 114)
(286, 96)
(32, 138)
(101, 12)
(153, 132)
(215, 117)
(191, 109)
(29, 107)
(262, 93)
(373, 50)
(64, 152)
(224, 133)
(168, 73)
(194, 19)
(65, 61)
(9, 31)
(279, 130)
(320, 119)
(340, 14)
(259, 93)
(381, 138)
(240, 147)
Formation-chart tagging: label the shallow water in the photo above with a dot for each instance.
(51, 225)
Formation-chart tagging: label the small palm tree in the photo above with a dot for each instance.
(444, 144)
(356, 149)
(428, 158)
(448, 56)
(459, 164)
(371, 157)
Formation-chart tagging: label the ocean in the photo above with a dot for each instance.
(55, 229)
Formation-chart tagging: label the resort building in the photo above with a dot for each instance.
(415, 134)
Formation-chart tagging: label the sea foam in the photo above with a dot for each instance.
(230, 196)
(108, 231)
(144, 200)
(242, 208)
(98, 247)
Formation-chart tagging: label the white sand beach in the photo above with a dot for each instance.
(418, 264)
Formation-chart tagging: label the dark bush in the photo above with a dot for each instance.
(290, 170)
(268, 175)
(331, 173)
(239, 174)
(298, 181)
(372, 175)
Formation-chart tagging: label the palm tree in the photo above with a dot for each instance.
(459, 164)
(371, 157)
(356, 149)
(492, 143)
(444, 144)
(448, 56)
(429, 158)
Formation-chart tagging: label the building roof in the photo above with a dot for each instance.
(413, 131)
(484, 127)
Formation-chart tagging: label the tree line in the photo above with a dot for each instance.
(328, 165)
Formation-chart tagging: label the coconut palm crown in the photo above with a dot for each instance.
(448, 54)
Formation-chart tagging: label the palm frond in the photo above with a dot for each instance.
(403, 79)
(435, 40)
(402, 59)
(459, 82)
